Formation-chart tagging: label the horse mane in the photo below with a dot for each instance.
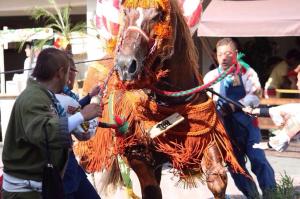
(184, 44)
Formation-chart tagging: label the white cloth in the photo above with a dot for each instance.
(251, 84)
(29, 65)
(14, 184)
(292, 109)
(75, 118)
(288, 128)
(280, 142)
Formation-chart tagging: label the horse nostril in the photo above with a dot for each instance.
(133, 66)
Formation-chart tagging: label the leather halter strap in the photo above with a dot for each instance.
(139, 30)
(152, 42)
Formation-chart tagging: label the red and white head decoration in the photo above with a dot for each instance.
(108, 15)
(107, 21)
(192, 10)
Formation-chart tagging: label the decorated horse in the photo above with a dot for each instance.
(155, 58)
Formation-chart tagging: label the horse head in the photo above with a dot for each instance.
(146, 39)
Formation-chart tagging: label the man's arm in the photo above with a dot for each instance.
(252, 89)
(39, 116)
(87, 99)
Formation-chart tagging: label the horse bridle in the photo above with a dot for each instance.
(152, 43)
(141, 32)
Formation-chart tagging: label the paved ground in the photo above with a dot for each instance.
(280, 165)
(288, 162)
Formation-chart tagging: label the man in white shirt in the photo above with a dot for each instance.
(244, 87)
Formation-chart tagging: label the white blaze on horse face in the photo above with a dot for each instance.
(145, 16)
(140, 20)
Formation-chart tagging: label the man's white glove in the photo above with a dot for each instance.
(280, 142)
(82, 132)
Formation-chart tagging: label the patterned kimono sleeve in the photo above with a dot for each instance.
(83, 131)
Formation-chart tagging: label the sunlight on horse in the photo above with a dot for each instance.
(155, 50)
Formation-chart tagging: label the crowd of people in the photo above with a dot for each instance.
(49, 108)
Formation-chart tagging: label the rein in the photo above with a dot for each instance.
(104, 88)
(200, 88)
(197, 89)
(116, 122)
(139, 30)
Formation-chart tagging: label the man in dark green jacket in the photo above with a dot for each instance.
(36, 113)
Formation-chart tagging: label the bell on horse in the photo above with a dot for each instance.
(155, 50)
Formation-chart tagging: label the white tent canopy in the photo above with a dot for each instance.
(251, 18)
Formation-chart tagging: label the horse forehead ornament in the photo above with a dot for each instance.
(145, 35)
(162, 29)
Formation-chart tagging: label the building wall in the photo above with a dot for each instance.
(13, 57)
(15, 14)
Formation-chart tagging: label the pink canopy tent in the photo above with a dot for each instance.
(259, 18)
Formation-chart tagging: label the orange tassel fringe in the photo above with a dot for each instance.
(186, 144)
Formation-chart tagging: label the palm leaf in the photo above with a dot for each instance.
(40, 43)
(66, 19)
(58, 19)
(58, 13)
(55, 26)
(79, 27)
(41, 13)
